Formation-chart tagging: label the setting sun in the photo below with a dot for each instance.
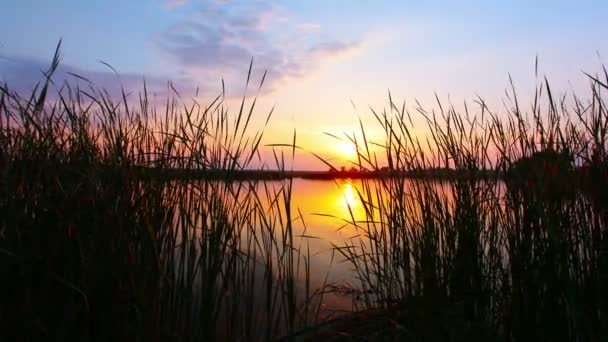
(347, 149)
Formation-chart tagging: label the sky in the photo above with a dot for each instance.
(328, 62)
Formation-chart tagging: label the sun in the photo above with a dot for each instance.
(347, 149)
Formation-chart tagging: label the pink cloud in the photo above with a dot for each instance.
(309, 26)
(172, 4)
(219, 40)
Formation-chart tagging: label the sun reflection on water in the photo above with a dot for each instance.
(349, 195)
(349, 201)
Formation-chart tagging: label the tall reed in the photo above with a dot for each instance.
(99, 242)
(479, 257)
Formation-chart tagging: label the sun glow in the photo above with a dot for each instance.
(350, 200)
(347, 149)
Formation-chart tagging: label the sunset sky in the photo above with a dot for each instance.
(320, 55)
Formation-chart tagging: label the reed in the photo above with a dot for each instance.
(97, 244)
(515, 254)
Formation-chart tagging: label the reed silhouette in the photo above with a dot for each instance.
(515, 248)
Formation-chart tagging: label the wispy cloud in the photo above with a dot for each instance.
(220, 38)
(21, 75)
(309, 26)
(315, 56)
(172, 4)
(216, 42)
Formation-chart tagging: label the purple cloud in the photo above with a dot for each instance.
(219, 40)
(172, 4)
(20, 75)
(216, 42)
(309, 26)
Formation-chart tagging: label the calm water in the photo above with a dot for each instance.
(326, 208)
(322, 219)
(322, 214)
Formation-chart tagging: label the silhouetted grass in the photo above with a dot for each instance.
(98, 242)
(91, 250)
(480, 258)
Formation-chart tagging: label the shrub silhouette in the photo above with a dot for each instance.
(545, 175)
(594, 181)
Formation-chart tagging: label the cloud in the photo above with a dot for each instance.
(220, 38)
(21, 75)
(315, 56)
(215, 43)
(172, 4)
(309, 26)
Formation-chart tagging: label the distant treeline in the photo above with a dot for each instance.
(253, 174)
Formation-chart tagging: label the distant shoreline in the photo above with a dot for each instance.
(444, 174)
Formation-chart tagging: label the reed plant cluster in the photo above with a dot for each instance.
(96, 244)
(516, 254)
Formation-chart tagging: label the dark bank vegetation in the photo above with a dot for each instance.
(103, 238)
(519, 254)
(92, 251)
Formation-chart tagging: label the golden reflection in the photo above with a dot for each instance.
(329, 202)
(349, 200)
